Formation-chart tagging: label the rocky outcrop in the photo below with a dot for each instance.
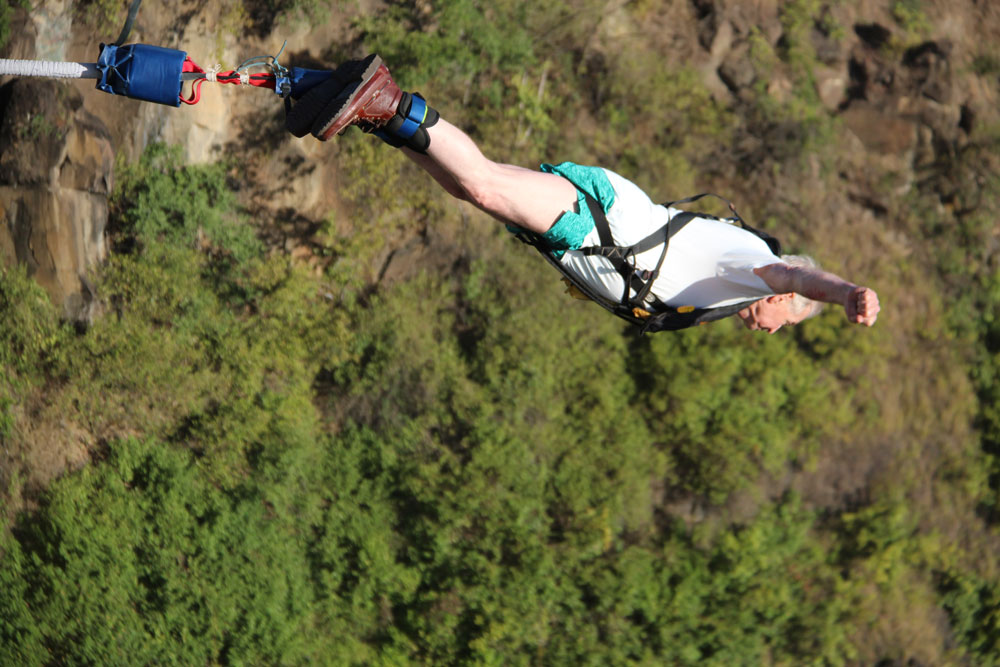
(904, 106)
(56, 163)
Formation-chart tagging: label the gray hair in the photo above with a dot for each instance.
(800, 303)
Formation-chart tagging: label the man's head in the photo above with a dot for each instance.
(778, 310)
(773, 312)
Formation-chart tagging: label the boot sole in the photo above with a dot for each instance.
(342, 110)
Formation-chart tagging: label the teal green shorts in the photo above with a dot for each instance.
(572, 227)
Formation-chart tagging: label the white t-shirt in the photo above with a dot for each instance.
(709, 262)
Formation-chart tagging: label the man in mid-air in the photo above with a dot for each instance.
(706, 265)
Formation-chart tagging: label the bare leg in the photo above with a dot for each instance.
(532, 200)
(443, 178)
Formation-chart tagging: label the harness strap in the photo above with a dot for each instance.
(133, 11)
(639, 281)
(677, 223)
(772, 243)
(666, 232)
(617, 259)
(694, 198)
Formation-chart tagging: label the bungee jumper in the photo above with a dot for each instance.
(655, 266)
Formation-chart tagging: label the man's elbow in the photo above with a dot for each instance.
(779, 277)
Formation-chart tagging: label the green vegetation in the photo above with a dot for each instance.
(6, 13)
(291, 466)
(107, 16)
(911, 17)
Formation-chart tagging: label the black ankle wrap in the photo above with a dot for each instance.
(409, 126)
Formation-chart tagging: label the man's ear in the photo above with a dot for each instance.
(780, 298)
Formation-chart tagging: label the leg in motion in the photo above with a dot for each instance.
(370, 99)
(532, 200)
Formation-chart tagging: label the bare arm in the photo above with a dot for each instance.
(860, 303)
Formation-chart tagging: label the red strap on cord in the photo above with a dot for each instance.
(190, 66)
(232, 76)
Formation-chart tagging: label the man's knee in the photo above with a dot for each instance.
(481, 187)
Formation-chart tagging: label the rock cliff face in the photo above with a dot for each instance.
(56, 161)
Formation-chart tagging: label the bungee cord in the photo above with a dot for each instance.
(49, 69)
(190, 71)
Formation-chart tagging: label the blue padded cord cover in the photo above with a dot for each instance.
(142, 72)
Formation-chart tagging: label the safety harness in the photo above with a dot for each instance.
(644, 309)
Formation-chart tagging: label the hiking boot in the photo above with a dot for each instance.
(300, 118)
(370, 102)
